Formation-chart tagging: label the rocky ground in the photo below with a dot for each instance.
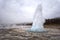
(22, 34)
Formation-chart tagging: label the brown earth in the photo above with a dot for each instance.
(21, 34)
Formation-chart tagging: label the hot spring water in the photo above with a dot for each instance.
(38, 20)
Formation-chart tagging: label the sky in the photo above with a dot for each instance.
(22, 11)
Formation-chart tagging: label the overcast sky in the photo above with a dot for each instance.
(21, 11)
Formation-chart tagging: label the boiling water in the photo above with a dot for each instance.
(38, 20)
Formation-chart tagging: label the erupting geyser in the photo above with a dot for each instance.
(38, 21)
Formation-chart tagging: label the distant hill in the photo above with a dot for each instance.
(53, 21)
(48, 21)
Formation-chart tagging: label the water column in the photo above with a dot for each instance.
(38, 21)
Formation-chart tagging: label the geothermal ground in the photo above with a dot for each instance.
(53, 33)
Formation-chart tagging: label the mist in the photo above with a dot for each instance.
(22, 11)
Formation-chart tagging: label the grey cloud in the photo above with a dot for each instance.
(21, 11)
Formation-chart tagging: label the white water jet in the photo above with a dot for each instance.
(38, 21)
